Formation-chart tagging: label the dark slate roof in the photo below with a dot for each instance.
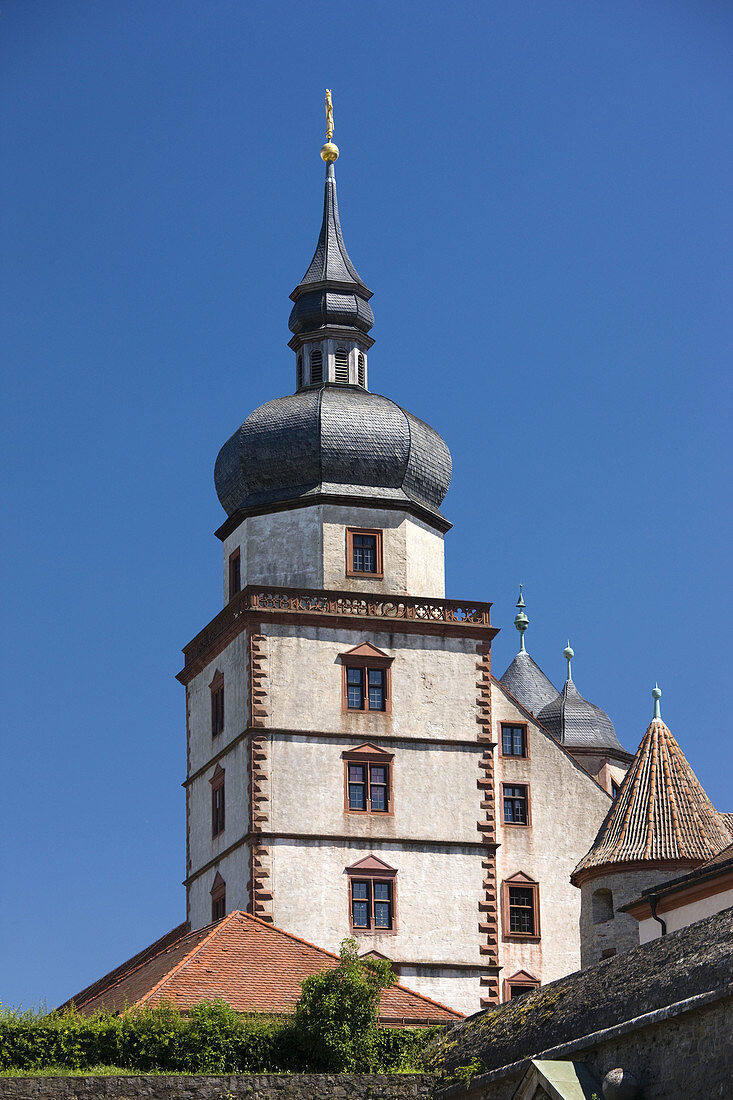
(661, 814)
(338, 441)
(527, 682)
(695, 960)
(253, 966)
(578, 724)
(331, 292)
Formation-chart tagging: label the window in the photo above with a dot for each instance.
(366, 679)
(316, 367)
(235, 573)
(299, 372)
(372, 895)
(217, 801)
(217, 703)
(513, 740)
(342, 366)
(515, 804)
(218, 898)
(519, 984)
(368, 780)
(615, 788)
(521, 907)
(602, 906)
(361, 365)
(363, 553)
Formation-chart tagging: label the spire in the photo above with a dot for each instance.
(568, 654)
(331, 300)
(656, 696)
(661, 814)
(521, 621)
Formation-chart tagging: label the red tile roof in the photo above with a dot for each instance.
(251, 965)
(661, 815)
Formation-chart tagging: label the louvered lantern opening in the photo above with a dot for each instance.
(316, 368)
(362, 370)
(300, 372)
(342, 366)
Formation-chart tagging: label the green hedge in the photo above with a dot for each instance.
(211, 1038)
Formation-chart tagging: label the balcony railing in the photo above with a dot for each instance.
(362, 605)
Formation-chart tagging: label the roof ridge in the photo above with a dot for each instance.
(216, 927)
(126, 974)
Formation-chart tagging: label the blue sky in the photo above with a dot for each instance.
(537, 193)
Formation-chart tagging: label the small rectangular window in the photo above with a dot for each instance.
(521, 911)
(367, 786)
(217, 709)
(362, 370)
(366, 688)
(371, 904)
(515, 804)
(363, 553)
(376, 688)
(316, 368)
(357, 787)
(513, 740)
(355, 688)
(217, 808)
(235, 573)
(342, 366)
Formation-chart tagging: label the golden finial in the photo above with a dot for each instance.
(329, 152)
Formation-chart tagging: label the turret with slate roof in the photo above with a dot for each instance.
(661, 821)
(524, 678)
(586, 731)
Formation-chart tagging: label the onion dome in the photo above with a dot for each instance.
(334, 441)
(661, 815)
(576, 723)
(524, 678)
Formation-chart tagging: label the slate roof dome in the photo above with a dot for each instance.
(337, 441)
(524, 678)
(578, 724)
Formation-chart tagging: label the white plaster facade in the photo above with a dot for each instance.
(306, 548)
(289, 836)
(678, 913)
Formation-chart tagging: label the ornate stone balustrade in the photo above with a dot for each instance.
(453, 615)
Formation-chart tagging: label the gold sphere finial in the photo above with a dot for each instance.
(329, 152)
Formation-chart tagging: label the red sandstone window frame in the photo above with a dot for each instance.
(523, 882)
(366, 658)
(378, 573)
(525, 740)
(527, 823)
(369, 871)
(521, 980)
(218, 898)
(368, 755)
(218, 802)
(235, 573)
(216, 687)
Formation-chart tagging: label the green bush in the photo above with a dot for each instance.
(334, 1029)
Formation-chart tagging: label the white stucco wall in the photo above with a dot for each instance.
(306, 547)
(433, 683)
(459, 989)
(232, 662)
(566, 810)
(682, 915)
(202, 846)
(308, 779)
(234, 869)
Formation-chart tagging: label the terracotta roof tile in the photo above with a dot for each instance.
(251, 965)
(661, 814)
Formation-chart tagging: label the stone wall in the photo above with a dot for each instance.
(672, 1058)
(621, 932)
(262, 1087)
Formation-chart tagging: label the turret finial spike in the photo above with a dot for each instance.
(521, 621)
(329, 152)
(656, 696)
(568, 654)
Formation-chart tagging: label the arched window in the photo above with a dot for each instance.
(602, 902)
(342, 366)
(316, 367)
(300, 372)
(362, 370)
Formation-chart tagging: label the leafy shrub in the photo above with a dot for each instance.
(336, 1016)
